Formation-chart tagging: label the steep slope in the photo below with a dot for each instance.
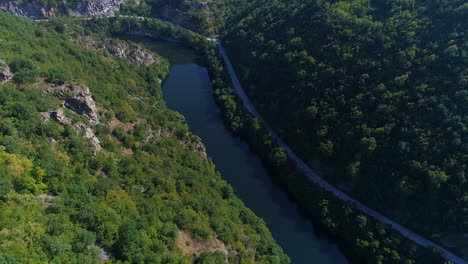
(372, 94)
(203, 16)
(42, 9)
(93, 166)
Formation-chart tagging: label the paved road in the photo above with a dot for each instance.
(320, 181)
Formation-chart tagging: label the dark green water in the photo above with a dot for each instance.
(188, 91)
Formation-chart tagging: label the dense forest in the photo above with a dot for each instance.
(197, 15)
(107, 172)
(372, 93)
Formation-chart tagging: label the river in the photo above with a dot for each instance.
(188, 91)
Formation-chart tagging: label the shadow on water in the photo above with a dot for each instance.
(188, 91)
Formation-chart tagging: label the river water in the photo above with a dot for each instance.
(188, 91)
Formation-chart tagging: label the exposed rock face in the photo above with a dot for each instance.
(47, 199)
(36, 10)
(5, 73)
(133, 53)
(31, 9)
(103, 255)
(200, 147)
(60, 116)
(82, 103)
(79, 127)
(88, 134)
(77, 98)
(99, 7)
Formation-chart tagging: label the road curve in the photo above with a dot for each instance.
(320, 181)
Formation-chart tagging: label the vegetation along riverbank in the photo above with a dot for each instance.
(366, 238)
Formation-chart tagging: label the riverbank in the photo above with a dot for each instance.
(312, 176)
(188, 90)
(370, 240)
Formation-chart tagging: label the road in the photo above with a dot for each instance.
(320, 181)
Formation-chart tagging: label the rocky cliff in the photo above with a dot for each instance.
(37, 10)
(78, 99)
(5, 73)
(134, 53)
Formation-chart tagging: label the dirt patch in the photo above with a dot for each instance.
(127, 151)
(40, 84)
(191, 245)
(116, 123)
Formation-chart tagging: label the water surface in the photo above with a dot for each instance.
(188, 91)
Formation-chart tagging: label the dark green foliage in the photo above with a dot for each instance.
(374, 89)
(24, 69)
(5, 185)
(197, 15)
(210, 258)
(5, 259)
(58, 76)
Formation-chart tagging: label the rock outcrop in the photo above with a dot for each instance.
(36, 10)
(78, 99)
(99, 7)
(82, 103)
(133, 53)
(59, 115)
(5, 73)
(88, 134)
(47, 199)
(79, 127)
(31, 9)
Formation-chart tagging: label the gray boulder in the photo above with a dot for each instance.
(88, 133)
(5, 73)
(83, 103)
(59, 115)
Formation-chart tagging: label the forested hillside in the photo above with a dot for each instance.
(372, 93)
(204, 17)
(198, 15)
(93, 166)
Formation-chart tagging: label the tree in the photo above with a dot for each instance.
(25, 71)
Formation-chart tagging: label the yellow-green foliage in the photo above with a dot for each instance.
(130, 205)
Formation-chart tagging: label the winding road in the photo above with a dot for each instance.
(320, 181)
